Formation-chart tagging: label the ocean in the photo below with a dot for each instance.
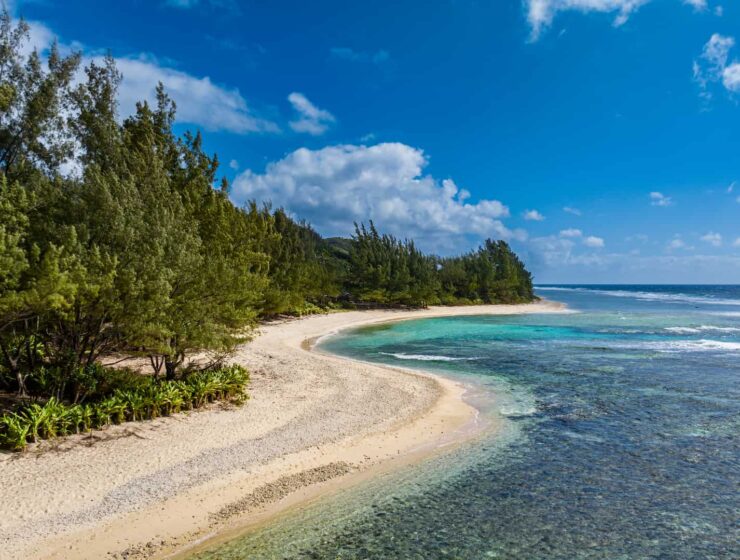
(620, 438)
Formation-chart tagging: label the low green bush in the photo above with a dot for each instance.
(132, 399)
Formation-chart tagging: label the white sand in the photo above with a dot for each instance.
(314, 422)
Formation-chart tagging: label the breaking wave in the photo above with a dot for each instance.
(425, 357)
(703, 345)
(647, 296)
(701, 329)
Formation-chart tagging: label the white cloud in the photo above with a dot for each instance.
(551, 251)
(571, 210)
(234, 164)
(558, 253)
(571, 232)
(346, 53)
(736, 243)
(593, 241)
(199, 101)
(717, 50)
(737, 200)
(338, 185)
(541, 13)
(659, 199)
(698, 5)
(731, 187)
(731, 77)
(677, 243)
(719, 11)
(533, 215)
(713, 65)
(40, 38)
(714, 239)
(311, 119)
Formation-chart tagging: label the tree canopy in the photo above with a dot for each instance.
(117, 236)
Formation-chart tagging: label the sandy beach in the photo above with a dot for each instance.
(314, 423)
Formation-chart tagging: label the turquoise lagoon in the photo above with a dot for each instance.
(621, 438)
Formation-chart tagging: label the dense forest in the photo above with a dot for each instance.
(118, 237)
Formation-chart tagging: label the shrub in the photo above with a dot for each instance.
(14, 431)
(139, 401)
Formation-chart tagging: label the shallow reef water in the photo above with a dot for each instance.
(621, 438)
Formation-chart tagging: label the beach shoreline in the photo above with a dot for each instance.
(316, 423)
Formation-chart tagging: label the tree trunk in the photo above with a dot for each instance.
(172, 362)
(21, 380)
(170, 368)
(157, 362)
(13, 364)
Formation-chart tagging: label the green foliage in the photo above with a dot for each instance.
(492, 274)
(139, 250)
(136, 252)
(14, 431)
(384, 270)
(36, 422)
(32, 98)
(302, 270)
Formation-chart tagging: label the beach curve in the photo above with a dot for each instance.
(315, 423)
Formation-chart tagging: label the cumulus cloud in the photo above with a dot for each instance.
(714, 239)
(593, 242)
(714, 66)
(736, 243)
(310, 119)
(541, 13)
(533, 215)
(199, 100)
(571, 232)
(338, 185)
(40, 38)
(345, 53)
(659, 199)
(571, 210)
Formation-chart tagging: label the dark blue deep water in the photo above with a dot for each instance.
(621, 437)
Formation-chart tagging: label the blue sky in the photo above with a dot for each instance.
(600, 137)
